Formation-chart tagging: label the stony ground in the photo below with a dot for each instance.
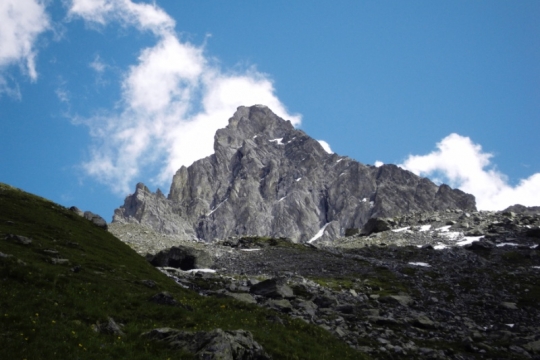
(449, 285)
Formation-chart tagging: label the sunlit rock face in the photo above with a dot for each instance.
(267, 178)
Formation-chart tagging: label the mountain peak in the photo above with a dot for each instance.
(267, 178)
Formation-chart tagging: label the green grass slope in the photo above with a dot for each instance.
(47, 310)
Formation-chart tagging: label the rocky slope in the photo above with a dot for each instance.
(438, 285)
(269, 179)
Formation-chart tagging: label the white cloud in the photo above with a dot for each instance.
(325, 146)
(97, 65)
(463, 164)
(173, 101)
(378, 163)
(141, 15)
(21, 22)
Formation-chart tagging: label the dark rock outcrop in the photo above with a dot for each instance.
(269, 179)
(181, 257)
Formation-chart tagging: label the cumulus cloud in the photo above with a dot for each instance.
(173, 100)
(21, 22)
(463, 164)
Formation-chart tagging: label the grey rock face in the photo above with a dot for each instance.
(267, 178)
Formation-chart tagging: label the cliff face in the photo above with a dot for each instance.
(268, 178)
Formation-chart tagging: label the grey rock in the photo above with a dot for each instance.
(282, 305)
(375, 225)
(164, 298)
(509, 305)
(19, 239)
(520, 209)
(325, 301)
(267, 178)
(212, 345)
(272, 288)
(77, 211)
(96, 219)
(109, 327)
(424, 322)
(155, 211)
(480, 245)
(247, 298)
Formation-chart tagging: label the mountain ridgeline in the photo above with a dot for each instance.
(267, 178)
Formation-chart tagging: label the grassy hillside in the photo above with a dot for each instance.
(47, 309)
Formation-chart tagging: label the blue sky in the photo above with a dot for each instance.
(97, 95)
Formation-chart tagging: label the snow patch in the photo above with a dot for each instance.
(250, 249)
(299, 179)
(536, 267)
(400, 229)
(507, 244)
(282, 199)
(339, 160)
(319, 234)
(201, 270)
(440, 246)
(510, 325)
(364, 200)
(443, 228)
(277, 141)
(425, 227)
(217, 207)
(468, 240)
(420, 264)
(453, 235)
(534, 246)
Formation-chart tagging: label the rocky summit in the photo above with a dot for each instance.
(267, 178)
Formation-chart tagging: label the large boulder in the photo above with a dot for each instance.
(182, 257)
(272, 288)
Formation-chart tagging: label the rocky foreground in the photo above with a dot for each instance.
(440, 285)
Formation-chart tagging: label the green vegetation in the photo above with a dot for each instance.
(47, 310)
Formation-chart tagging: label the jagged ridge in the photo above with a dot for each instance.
(268, 178)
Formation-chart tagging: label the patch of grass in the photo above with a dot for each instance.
(47, 310)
